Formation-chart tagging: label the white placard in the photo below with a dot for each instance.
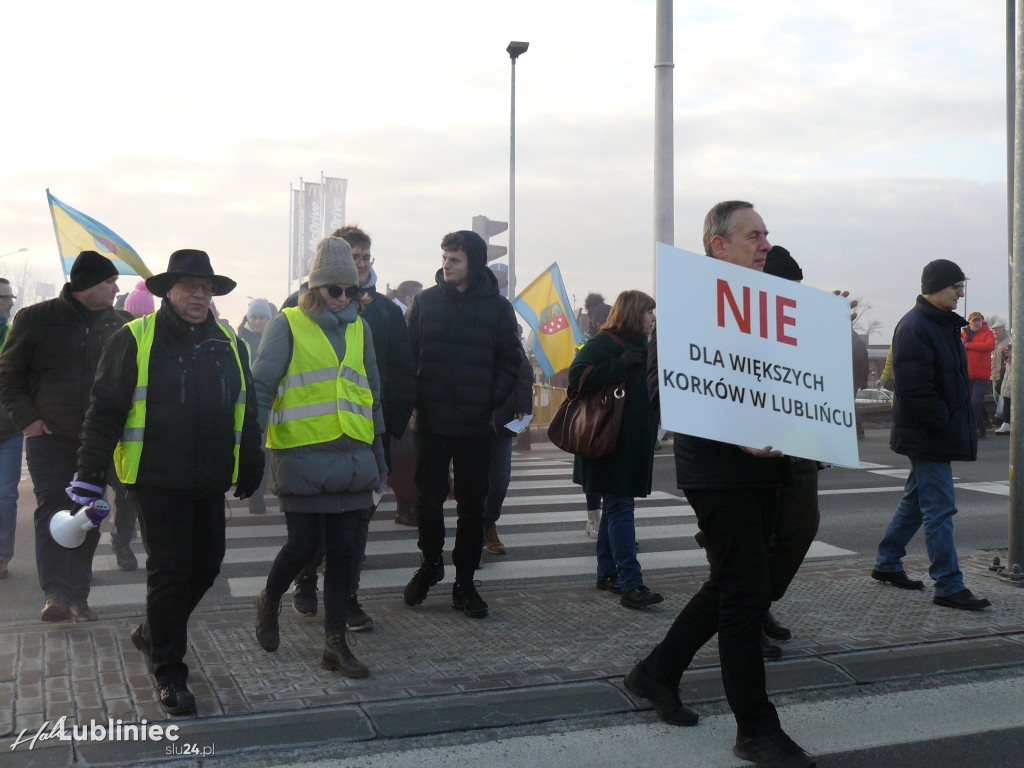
(755, 360)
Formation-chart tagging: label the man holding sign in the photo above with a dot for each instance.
(733, 491)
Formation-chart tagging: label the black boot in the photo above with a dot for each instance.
(465, 598)
(338, 657)
(426, 576)
(267, 633)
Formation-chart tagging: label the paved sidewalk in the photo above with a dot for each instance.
(546, 652)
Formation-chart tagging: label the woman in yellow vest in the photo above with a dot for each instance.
(316, 385)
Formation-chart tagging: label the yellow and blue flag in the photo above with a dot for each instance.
(544, 305)
(77, 232)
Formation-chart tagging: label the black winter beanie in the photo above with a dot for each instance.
(89, 269)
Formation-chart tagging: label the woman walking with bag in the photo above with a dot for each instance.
(617, 355)
(316, 383)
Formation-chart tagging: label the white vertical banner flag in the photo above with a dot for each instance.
(334, 203)
(312, 221)
(753, 359)
(297, 241)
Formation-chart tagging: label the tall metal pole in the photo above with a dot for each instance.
(515, 49)
(1011, 87)
(1016, 518)
(664, 175)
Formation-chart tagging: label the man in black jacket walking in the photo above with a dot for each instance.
(170, 404)
(46, 372)
(467, 355)
(933, 424)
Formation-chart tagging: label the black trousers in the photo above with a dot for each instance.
(336, 532)
(470, 458)
(796, 524)
(731, 603)
(184, 540)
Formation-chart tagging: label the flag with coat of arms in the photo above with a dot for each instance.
(545, 307)
(77, 232)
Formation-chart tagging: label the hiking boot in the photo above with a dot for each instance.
(593, 522)
(465, 598)
(773, 629)
(425, 577)
(81, 612)
(772, 750)
(176, 699)
(609, 584)
(897, 579)
(267, 633)
(339, 658)
(140, 639)
(664, 699)
(493, 543)
(358, 620)
(641, 597)
(55, 608)
(304, 595)
(126, 559)
(964, 599)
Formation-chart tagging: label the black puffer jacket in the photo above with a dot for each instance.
(48, 362)
(190, 436)
(932, 414)
(394, 360)
(466, 352)
(7, 426)
(521, 399)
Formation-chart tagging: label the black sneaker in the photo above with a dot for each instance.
(357, 620)
(425, 577)
(772, 750)
(641, 597)
(465, 598)
(609, 584)
(177, 699)
(141, 641)
(897, 579)
(304, 595)
(126, 559)
(665, 700)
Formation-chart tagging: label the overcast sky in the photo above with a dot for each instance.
(870, 135)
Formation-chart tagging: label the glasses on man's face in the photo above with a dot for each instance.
(8, 297)
(959, 287)
(367, 260)
(335, 291)
(196, 286)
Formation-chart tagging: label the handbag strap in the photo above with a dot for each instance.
(616, 339)
(589, 368)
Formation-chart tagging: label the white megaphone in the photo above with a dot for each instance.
(69, 530)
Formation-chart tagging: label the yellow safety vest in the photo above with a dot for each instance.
(320, 399)
(128, 451)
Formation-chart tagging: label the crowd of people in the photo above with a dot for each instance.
(346, 392)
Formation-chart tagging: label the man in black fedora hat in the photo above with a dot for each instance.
(48, 363)
(169, 403)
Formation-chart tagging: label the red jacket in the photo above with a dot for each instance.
(979, 348)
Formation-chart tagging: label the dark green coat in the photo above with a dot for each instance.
(627, 470)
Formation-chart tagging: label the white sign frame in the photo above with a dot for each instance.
(753, 359)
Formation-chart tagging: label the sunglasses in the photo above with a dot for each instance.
(335, 291)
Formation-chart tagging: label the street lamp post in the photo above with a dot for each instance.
(515, 49)
(20, 250)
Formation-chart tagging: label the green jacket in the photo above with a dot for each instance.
(627, 470)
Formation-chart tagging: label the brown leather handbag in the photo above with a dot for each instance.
(588, 424)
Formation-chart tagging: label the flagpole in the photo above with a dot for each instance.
(323, 207)
(56, 234)
(291, 236)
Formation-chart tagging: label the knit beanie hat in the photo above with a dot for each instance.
(89, 269)
(140, 301)
(940, 274)
(333, 264)
(781, 264)
(259, 307)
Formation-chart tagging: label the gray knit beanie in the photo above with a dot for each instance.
(333, 264)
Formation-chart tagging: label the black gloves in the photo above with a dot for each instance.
(248, 482)
(634, 358)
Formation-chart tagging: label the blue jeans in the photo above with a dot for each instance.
(10, 476)
(930, 500)
(616, 543)
(500, 475)
(63, 572)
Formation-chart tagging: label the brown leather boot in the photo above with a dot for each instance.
(338, 657)
(267, 633)
(492, 542)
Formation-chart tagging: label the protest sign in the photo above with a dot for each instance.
(755, 360)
